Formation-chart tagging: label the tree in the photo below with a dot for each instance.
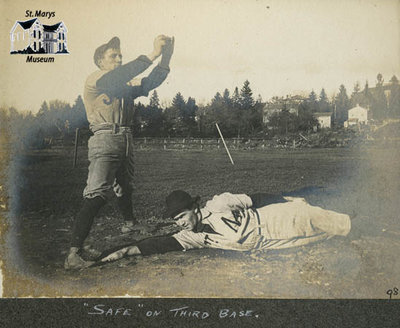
(150, 118)
(379, 79)
(59, 113)
(305, 120)
(139, 118)
(322, 96)
(312, 103)
(394, 80)
(191, 107)
(43, 110)
(178, 102)
(246, 96)
(227, 98)
(225, 112)
(173, 116)
(379, 102)
(312, 96)
(356, 88)
(217, 100)
(323, 103)
(342, 105)
(236, 98)
(284, 122)
(180, 117)
(356, 96)
(78, 117)
(154, 100)
(189, 117)
(246, 112)
(367, 99)
(394, 98)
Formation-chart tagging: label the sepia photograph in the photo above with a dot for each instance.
(200, 149)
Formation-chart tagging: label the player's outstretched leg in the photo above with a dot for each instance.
(333, 223)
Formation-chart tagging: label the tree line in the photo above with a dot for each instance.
(238, 114)
(55, 119)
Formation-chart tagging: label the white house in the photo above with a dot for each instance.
(324, 119)
(357, 115)
(33, 37)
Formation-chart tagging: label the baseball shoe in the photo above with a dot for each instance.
(75, 262)
(353, 215)
(128, 226)
(90, 253)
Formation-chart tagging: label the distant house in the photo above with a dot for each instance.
(269, 110)
(31, 37)
(357, 115)
(290, 103)
(324, 119)
(374, 99)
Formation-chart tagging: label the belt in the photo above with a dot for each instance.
(112, 127)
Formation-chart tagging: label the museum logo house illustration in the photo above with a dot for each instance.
(33, 37)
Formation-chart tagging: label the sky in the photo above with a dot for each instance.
(282, 47)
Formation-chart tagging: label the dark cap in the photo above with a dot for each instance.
(178, 201)
(114, 43)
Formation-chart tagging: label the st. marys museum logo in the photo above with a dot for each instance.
(31, 37)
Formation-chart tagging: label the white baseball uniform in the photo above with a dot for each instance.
(229, 221)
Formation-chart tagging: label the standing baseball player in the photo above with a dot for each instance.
(108, 96)
(242, 223)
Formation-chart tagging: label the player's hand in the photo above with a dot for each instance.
(167, 52)
(116, 255)
(159, 43)
(168, 48)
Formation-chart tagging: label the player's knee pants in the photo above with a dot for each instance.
(111, 165)
(328, 221)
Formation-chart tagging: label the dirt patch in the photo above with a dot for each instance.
(46, 194)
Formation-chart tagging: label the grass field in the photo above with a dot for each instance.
(46, 194)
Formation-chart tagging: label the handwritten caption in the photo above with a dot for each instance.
(176, 312)
(392, 292)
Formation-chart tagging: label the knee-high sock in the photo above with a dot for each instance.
(125, 206)
(84, 220)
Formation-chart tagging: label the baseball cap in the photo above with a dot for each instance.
(178, 201)
(114, 43)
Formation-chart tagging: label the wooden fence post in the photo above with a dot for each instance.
(165, 144)
(75, 148)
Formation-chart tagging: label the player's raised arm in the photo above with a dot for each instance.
(114, 82)
(160, 72)
(167, 52)
(160, 43)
